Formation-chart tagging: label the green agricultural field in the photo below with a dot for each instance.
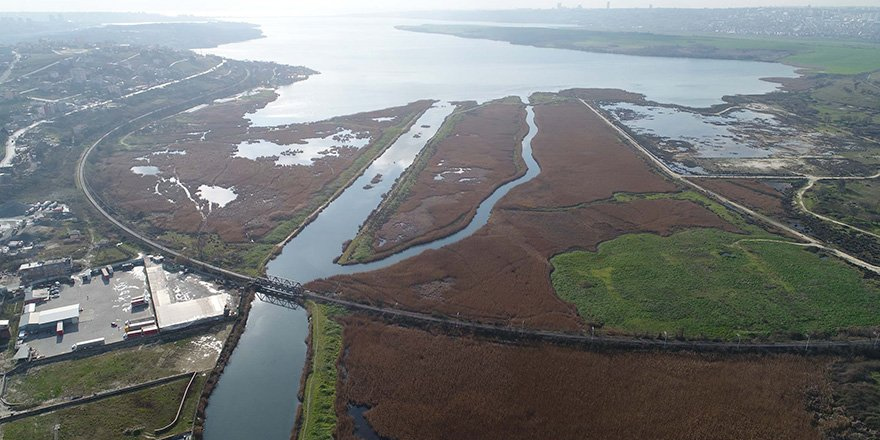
(131, 416)
(319, 396)
(714, 284)
(853, 202)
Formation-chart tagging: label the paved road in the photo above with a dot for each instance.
(5, 76)
(13, 140)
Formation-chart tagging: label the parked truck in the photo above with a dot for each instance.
(87, 344)
(134, 325)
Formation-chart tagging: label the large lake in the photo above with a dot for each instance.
(366, 64)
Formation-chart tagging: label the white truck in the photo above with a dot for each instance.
(87, 344)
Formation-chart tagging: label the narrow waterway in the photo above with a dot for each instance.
(256, 396)
(310, 255)
(366, 64)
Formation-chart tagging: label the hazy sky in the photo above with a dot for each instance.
(310, 7)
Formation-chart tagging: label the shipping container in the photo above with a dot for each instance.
(139, 324)
(151, 330)
(133, 333)
(105, 273)
(87, 344)
(139, 301)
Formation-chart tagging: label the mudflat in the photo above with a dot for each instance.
(269, 172)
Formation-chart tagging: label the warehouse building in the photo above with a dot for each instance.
(32, 320)
(45, 270)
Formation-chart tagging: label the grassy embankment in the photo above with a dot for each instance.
(134, 415)
(852, 202)
(707, 283)
(114, 369)
(838, 57)
(11, 310)
(319, 396)
(360, 249)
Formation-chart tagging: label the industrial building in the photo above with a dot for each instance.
(171, 314)
(45, 270)
(32, 320)
(36, 296)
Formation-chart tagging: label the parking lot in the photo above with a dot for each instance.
(102, 303)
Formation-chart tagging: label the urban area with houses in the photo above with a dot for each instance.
(89, 319)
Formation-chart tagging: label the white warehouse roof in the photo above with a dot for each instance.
(55, 315)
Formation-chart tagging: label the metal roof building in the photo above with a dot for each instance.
(49, 317)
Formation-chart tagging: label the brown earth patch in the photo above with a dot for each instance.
(267, 194)
(752, 193)
(581, 160)
(424, 386)
(479, 154)
(501, 274)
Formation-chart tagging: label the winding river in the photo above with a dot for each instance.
(367, 64)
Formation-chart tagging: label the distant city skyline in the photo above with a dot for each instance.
(319, 7)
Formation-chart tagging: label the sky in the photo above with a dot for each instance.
(321, 7)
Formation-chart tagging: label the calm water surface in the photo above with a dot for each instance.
(366, 64)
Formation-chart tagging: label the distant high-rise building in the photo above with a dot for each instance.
(608, 5)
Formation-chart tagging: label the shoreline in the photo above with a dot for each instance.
(444, 231)
(238, 328)
(279, 247)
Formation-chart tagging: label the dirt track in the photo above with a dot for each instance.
(501, 273)
(424, 386)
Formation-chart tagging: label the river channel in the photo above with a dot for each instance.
(366, 64)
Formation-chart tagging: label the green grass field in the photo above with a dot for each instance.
(710, 283)
(852, 202)
(839, 57)
(114, 369)
(129, 416)
(319, 410)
